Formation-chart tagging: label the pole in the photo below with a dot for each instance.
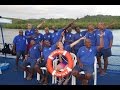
(2, 35)
(2, 38)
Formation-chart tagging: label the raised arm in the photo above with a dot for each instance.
(77, 41)
(40, 24)
(66, 27)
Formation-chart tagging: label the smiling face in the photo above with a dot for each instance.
(60, 45)
(46, 30)
(101, 26)
(90, 27)
(29, 26)
(47, 43)
(20, 32)
(77, 29)
(88, 43)
(36, 31)
(32, 42)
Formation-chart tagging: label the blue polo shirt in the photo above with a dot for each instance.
(47, 51)
(76, 37)
(106, 38)
(35, 52)
(20, 43)
(92, 37)
(86, 56)
(68, 48)
(56, 36)
(38, 38)
(48, 37)
(29, 33)
(84, 32)
(68, 36)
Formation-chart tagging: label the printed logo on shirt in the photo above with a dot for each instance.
(57, 34)
(89, 35)
(90, 50)
(83, 51)
(39, 37)
(49, 48)
(31, 31)
(23, 38)
(34, 47)
(52, 35)
(48, 35)
(80, 35)
(69, 35)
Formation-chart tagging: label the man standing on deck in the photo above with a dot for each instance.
(90, 34)
(48, 35)
(106, 51)
(19, 46)
(30, 32)
(38, 37)
(78, 35)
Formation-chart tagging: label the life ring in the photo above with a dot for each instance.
(66, 70)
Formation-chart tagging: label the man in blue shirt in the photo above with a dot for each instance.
(85, 60)
(38, 37)
(56, 36)
(78, 35)
(106, 51)
(47, 49)
(31, 59)
(19, 46)
(48, 35)
(68, 37)
(29, 33)
(91, 34)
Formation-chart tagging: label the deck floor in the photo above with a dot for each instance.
(10, 77)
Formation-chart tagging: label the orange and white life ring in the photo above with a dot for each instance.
(66, 70)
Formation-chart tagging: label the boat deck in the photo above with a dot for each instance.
(11, 77)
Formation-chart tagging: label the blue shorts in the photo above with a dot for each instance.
(86, 68)
(19, 53)
(104, 52)
(30, 62)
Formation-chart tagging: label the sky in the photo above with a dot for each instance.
(57, 11)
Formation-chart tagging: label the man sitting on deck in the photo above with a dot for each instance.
(31, 59)
(85, 60)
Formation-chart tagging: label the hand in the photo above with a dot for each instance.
(43, 21)
(62, 33)
(14, 51)
(26, 57)
(110, 46)
(81, 65)
(82, 38)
